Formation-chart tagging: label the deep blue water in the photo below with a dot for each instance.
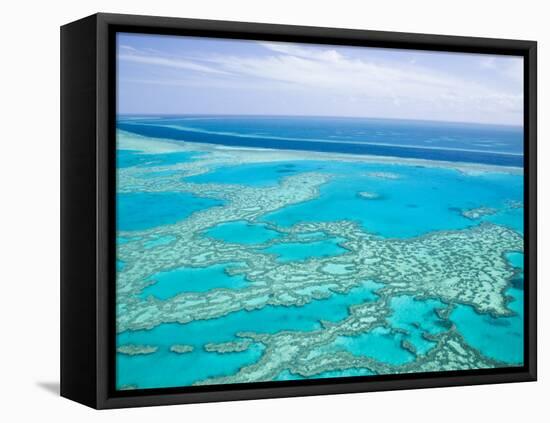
(460, 142)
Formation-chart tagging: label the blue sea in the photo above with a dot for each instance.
(416, 200)
(463, 142)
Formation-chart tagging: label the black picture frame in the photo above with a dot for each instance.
(88, 108)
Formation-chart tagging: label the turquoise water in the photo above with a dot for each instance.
(422, 200)
(287, 375)
(119, 265)
(129, 158)
(145, 210)
(516, 260)
(499, 338)
(189, 279)
(513, 218)
(162, 240)
(380, 344)
(120, 240)
(414, 201)
(297, 251)
(269, 319)
(265, 174)
(344, 373)
(242, 232)
(166, 369)
(417, 317)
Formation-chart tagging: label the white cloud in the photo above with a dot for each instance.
(314, 53)
(487, 62)
(176, 63)
(403, 88)
(329, 70)
(127, 48)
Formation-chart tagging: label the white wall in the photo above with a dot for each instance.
(29, 237)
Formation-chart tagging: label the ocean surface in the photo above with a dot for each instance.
(403, 201)
(464, 142)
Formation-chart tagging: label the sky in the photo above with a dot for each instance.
(160, 74)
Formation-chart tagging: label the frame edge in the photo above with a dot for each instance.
(104, 400)
(78, 212)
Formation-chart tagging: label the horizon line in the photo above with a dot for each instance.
(152, 115)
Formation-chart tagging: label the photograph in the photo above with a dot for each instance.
(291, 211)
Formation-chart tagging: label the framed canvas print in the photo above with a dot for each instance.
(255, 211)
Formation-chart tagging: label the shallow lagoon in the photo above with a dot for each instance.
(144, 210)
(183, 369)
(417, 317)
(380, 344)
(242, 232)
(420, 201)
(179, 369)
(189, 279)
(499, 338)
(255, 174)
(413, 201)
